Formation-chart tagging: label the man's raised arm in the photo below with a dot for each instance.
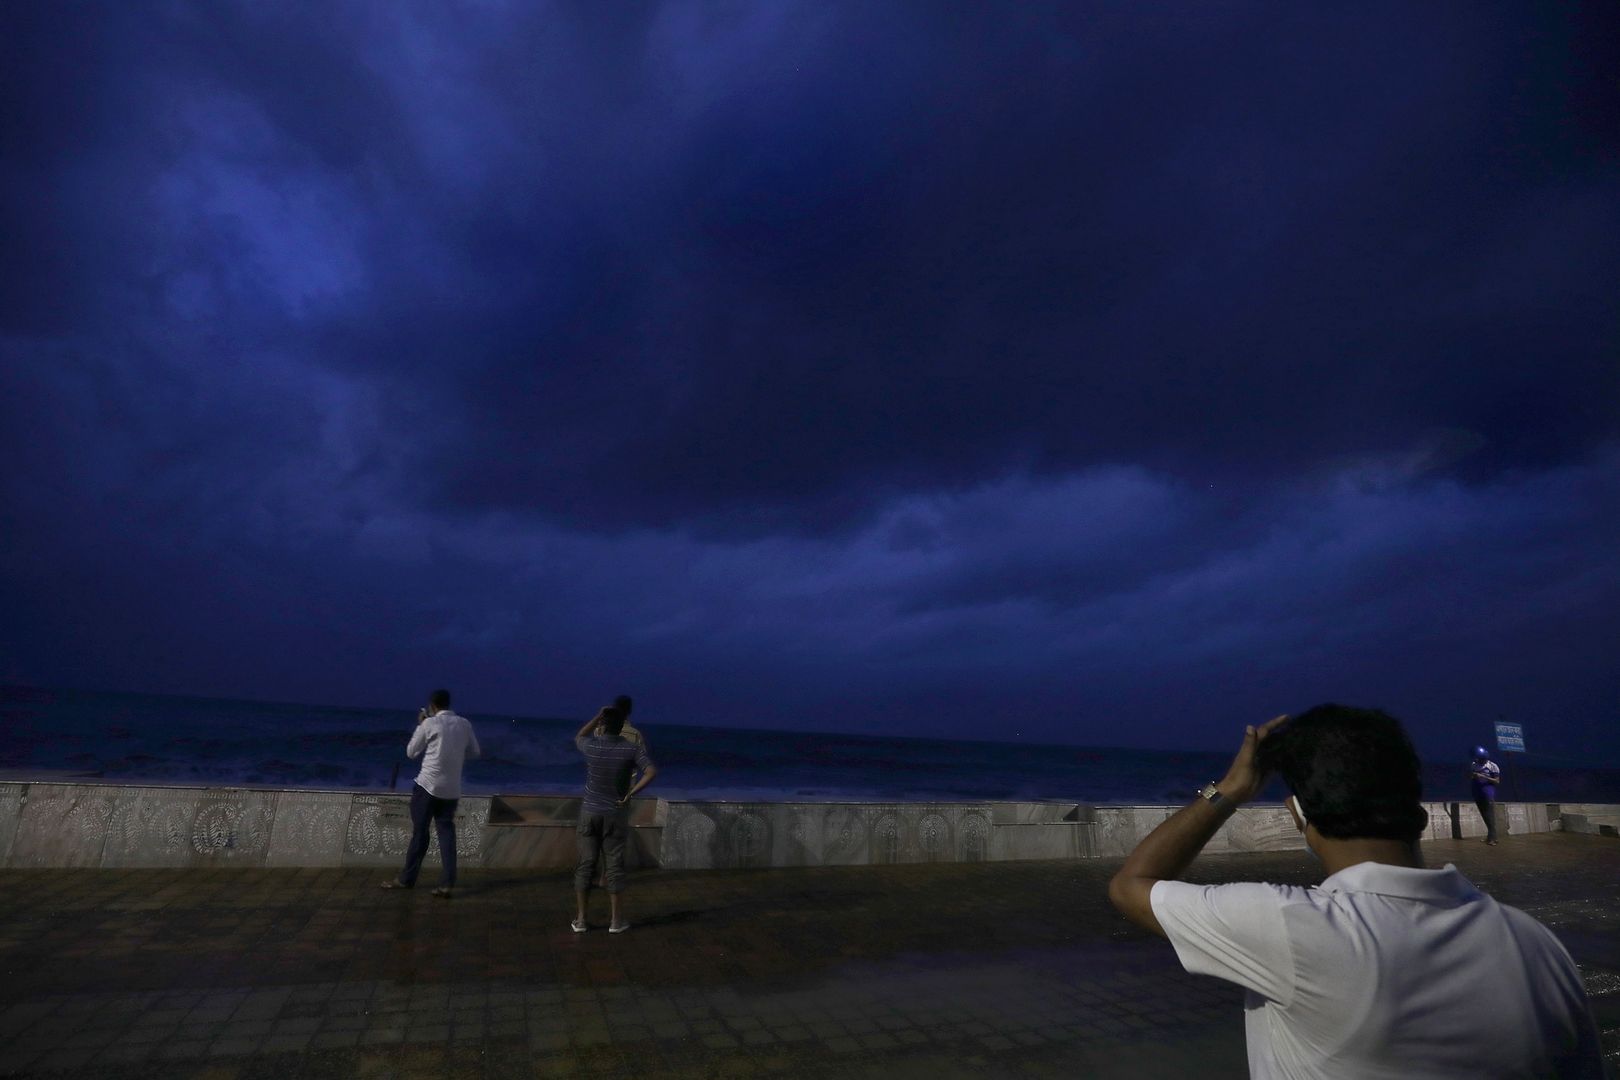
(589, 724)
(1167, 851)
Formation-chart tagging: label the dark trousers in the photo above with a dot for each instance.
(443, 814)
(600, 834)
(1487, 810)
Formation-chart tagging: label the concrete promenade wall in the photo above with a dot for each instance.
(88, 824)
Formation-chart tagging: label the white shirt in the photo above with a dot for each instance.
(1387, 971)
(443, 741)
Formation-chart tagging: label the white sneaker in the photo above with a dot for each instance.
(578, 926)
(618, 928)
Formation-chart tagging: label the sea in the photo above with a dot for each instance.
(136, 738)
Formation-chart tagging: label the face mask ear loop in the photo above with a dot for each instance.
(1304, 822)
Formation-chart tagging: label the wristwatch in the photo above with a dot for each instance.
(1212, 793)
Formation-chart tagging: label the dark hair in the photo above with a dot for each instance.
(439, 699)
(623, 703)
(612, 720)
(1354, 771)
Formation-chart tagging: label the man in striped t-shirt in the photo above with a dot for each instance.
(611, 762)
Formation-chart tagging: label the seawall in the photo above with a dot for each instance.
(89, 824)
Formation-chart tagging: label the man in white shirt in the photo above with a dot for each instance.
(444, 742)
(1386, 969)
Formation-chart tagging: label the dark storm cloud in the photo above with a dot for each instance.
(679, 265)
(975, 247)
(811, 362)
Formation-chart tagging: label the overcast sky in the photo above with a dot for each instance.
(1095, 373)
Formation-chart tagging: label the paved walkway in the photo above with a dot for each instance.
(1008, 969)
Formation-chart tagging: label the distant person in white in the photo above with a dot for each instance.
(1386, 969)
(444, 741)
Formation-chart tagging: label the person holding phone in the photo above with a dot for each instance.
(1484, 775)
(444, 742)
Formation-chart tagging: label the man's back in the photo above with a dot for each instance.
(1387, 971)
(610, 762)
(444, 741)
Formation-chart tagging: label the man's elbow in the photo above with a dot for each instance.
(1133, 898)
(1116, 893)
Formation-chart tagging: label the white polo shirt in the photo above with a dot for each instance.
(1387, 971)
(444, 741)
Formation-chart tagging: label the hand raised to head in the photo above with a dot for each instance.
(1244, 779)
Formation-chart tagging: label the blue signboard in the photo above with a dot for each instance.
(1510, 738)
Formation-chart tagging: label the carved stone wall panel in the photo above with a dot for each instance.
(529, 847)
(62, 825)
(813, 834)
(935, 840)
(1262, 828)
(232, 826)
(1121, 828)
(1439, 821)
(379, 831)
(1052, 840)
(798, 837)
(1591, 810)
(747, 837)
(1469, 822)
(1031, 813)
(888, 837)
(309, 828)
(11, 796)
(689, 838)
(645, 849)
(973, 836)
(844, 840)
(150, 827)
(472, 814)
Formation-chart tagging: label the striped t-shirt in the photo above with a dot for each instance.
(609, 765)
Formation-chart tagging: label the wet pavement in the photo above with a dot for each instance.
(944, 970)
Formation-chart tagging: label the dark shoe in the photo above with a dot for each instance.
(578, 926)
(395, 884)
(442, 892)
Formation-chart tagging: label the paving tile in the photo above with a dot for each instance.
(64, 1060)
(331, 1040)
(124, 1054)
(233, 1047)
